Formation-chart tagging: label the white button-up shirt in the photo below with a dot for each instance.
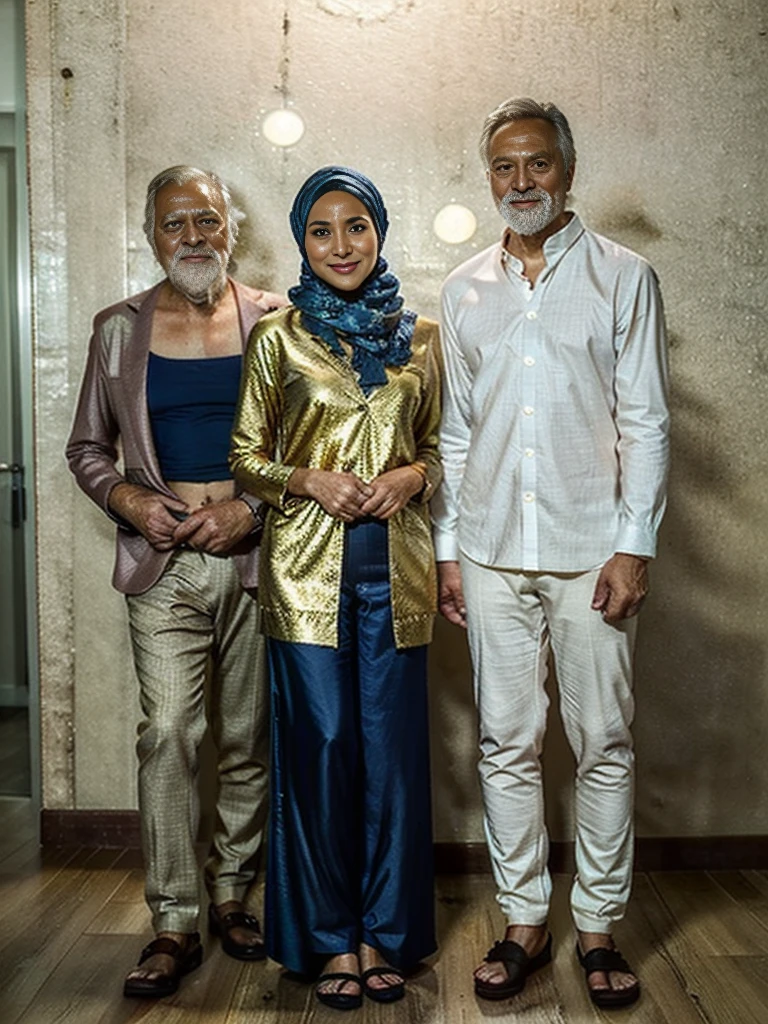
(555, 426)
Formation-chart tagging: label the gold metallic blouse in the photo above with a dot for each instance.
(301, 405)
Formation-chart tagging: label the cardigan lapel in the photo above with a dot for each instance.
(136, 356)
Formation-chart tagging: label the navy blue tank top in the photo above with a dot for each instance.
(192, 408)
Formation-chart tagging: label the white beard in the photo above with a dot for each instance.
(530, 222)
(199, 282)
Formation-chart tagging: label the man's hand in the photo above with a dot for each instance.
(450, 593)
(621, 587)
(215, 528)
(342, 495)
(148, 511)
(392, 491)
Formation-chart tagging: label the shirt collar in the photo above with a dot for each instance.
(555, 246)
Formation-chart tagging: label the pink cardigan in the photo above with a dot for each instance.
(113, 404)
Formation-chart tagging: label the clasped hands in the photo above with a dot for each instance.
(214, 528)
(345, 496)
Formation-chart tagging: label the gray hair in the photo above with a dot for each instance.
(521, 110)
(180, 175)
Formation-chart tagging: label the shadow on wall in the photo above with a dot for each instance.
(701, 707)
(701, 710)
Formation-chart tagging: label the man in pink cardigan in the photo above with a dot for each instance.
(162, 380)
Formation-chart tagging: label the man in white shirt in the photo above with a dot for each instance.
(555, 448)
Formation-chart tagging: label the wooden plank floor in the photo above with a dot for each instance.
(73, 921)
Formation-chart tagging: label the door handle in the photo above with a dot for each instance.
(18, 494)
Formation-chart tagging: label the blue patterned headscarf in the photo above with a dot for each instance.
(371, 319)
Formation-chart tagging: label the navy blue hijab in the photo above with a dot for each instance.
(371, 319)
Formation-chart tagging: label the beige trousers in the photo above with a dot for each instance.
(197, 627)
(513, 619)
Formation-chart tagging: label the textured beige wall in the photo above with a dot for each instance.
(668, 105)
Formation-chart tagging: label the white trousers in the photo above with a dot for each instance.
(513, 618)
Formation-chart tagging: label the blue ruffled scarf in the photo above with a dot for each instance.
(374, 323)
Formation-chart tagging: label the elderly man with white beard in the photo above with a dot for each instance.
(162, 380)
(554, 444)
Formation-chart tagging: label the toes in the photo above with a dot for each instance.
(491, 975)
(622, 981)
(614, 981)
(599, 982)
(382, 981)
(143, 976)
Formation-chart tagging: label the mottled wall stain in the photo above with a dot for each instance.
(364, 10)
(624, 218)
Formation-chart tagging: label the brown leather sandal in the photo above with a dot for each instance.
(222, 924)
(186, 958)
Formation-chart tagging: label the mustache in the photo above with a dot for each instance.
(193, 250)
(521, 197)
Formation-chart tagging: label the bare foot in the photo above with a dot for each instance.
(533, 938)
(346, 963)
(599, 981)
(241, 935)
(370, 957)
(160, 965)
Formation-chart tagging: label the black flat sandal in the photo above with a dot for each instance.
(391, 993)
(186, 959)
(518, 966)
(340, 1000)
(606, 960)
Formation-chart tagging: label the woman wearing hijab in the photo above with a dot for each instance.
(337, 432)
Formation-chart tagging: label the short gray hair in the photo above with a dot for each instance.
(180, 175)
(521, 110)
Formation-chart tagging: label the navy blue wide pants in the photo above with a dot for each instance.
(350, 850)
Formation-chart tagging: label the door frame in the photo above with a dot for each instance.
(13, 130)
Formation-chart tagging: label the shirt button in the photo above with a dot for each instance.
(361, 408)
(529, 453)
(529, 361)
(529, 496)
(528, 410)
(531, 314)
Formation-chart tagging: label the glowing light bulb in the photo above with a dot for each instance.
(454, 224)
(283, 127)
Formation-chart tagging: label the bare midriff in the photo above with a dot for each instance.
(196, 495)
